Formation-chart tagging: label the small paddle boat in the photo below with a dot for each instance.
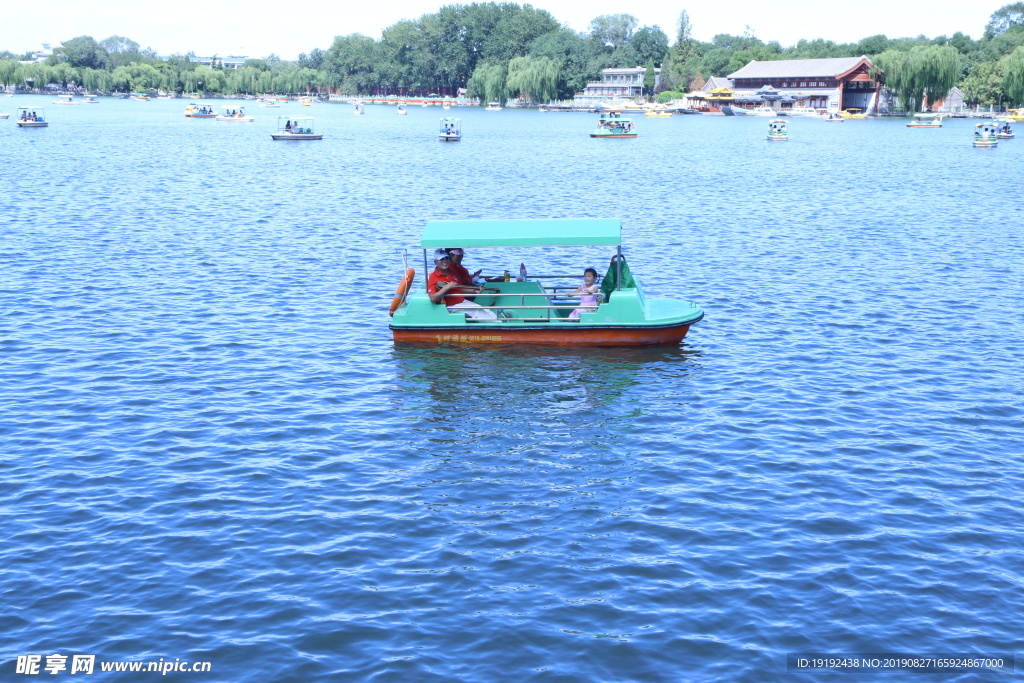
(1003, 129)
(31, 117)
(778, 130)
(985, 135)
(402, 111)
(926, 120)
(451, 130)
(90, 99)
(236, 115)
(358, 110)
(295, 128)
(613, 125)
(195, 111)
(538, 310)
(4, 116)
(66, 99)
(493, 106)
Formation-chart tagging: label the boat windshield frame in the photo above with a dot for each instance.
(282, 120)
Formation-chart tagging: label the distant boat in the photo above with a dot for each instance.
(295, 129)
(985, 135)
(65, 99)
(613, 125)
(451, 130)
(778, 130)
(493, 106)
(32, 117)
(235, 115)
(194, 111)
(90, 99)
(926, 121)
(803, 111)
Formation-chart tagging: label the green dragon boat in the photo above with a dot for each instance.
(538, 310)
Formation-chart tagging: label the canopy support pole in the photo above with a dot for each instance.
(618, 268)
(426, 273)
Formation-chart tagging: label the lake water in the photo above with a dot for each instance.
(212, 451)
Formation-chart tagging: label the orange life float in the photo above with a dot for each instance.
(403, 289)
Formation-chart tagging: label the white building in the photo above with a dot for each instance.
(615, 84)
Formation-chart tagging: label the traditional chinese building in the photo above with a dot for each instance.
(615, 84)
(838, 83)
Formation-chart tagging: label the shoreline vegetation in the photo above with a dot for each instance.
(496, 51)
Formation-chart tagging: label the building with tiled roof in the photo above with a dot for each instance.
(836, 83)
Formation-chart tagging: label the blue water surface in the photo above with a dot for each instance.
(213, 451)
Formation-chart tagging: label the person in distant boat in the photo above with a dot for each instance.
(441, 284)
(456, 254)
(288, 125)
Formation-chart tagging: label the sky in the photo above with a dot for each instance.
(257, 29)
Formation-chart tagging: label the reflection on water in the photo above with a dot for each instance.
(513, 387)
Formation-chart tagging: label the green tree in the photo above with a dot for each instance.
(83, 51)
(1006, 18)
(489, 83)
(984, 84)
(923, 71)
(575, 52)
(536, 78)
(649, 77)
(1013, 78)
(650, 44)
(614, 29)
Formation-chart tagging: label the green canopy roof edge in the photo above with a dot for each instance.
(523, 232)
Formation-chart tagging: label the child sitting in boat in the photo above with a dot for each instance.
(588, 293)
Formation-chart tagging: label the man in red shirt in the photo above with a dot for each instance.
(462, 273)
(443, 280)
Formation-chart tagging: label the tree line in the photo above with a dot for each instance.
(498, 50)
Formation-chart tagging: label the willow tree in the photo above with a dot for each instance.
(923, 71)
(536, 78)
(488, 82)
(10, 72)
(1013, 75)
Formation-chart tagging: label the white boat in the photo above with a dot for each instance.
(358, 110)
(65, 99)
(3, 115)
(803, 111)
(985, 135)
(1004, 131)
(295, 128)
(31, 117)
(270, 104)
(493, 106)
(778, 130)
(163, 97)
(451, 130)
(401, 110)
(763, 110)
(926, 121)
(90, 99)
(235, 115)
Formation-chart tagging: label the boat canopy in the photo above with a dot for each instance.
(523, 233)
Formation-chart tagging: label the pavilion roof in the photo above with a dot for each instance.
(796, 68)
